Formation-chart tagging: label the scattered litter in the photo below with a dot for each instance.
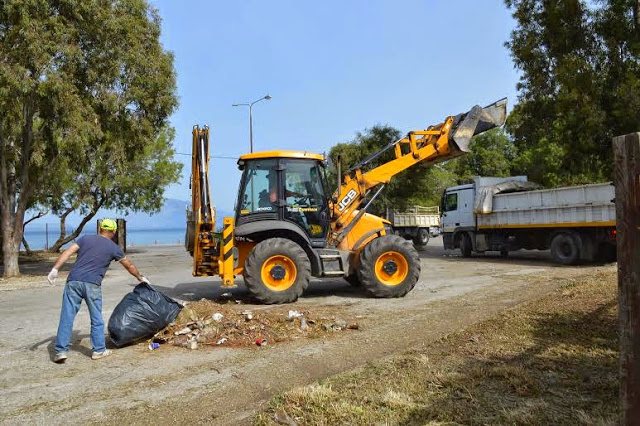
(185, 330)
(294, 314)
(180, 341)
(153, 346)
(339, 322)
(474, 339)
(226, 295)
(207, 323)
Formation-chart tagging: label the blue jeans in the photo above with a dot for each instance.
(74, 293)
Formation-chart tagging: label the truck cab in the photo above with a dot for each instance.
(459, 222)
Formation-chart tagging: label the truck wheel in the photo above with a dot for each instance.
(465, 245)
(422, 238)
(565, 249)
(353, 280)
(277, 270)
(389, 267)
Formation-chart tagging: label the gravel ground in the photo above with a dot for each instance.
(226, 385)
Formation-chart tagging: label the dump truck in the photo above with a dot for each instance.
(290, 226)
(577, 223)
(416, 223)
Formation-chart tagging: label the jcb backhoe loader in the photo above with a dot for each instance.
(288, 225)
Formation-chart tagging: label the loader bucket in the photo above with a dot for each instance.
(478, 120)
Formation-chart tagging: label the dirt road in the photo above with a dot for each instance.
(225, 385)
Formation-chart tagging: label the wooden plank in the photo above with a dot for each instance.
(627, 170)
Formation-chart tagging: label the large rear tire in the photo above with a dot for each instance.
(389, 266)
(277, 270)
(565, 248)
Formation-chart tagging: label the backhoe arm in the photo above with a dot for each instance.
(435, 144)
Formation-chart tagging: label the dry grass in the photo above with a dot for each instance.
(551, 361)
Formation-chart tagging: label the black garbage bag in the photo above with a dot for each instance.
(141, 314)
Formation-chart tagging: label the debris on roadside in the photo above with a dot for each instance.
(206, 323)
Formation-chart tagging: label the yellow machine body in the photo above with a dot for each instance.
(331, 228)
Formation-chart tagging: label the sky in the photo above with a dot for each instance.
(333, 68)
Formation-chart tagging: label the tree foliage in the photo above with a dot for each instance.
(579, 86)
(84, 86)
(492, 154)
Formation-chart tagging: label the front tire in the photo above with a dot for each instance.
(276, 271)
(465, 245)
(389, 266)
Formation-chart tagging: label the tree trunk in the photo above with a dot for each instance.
(24, 240)
(26, 245)
(65, 239)
(62, 239)
(12, 206)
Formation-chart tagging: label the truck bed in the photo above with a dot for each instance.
(575, 206)
(417, 216)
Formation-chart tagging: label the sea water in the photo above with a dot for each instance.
(41, 239)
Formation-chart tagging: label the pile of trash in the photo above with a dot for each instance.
(206, 323)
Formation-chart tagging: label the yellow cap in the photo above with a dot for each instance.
(108, 224)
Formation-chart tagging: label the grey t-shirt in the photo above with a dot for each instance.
(94, 256)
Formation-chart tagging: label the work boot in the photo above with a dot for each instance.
(60, 358)
(98, 355)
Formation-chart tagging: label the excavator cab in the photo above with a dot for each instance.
(284, 189)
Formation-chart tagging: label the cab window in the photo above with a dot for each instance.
(259, 192)
(451, 202)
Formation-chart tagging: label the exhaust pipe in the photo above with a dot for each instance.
(478, 120)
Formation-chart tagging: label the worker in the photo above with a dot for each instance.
(95, 253)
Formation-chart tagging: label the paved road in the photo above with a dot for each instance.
(135, 383)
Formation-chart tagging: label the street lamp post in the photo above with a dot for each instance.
(250, 105)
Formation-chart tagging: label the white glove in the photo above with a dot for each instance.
(52, 276)
(145, 280)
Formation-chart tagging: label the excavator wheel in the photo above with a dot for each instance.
(277, 270)
(389, 266)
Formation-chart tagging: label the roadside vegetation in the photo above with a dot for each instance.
(550, 361)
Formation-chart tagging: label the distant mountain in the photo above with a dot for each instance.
(172, 216)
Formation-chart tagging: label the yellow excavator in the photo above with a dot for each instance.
(290, 226)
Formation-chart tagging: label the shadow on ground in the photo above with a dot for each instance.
(212, 290)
